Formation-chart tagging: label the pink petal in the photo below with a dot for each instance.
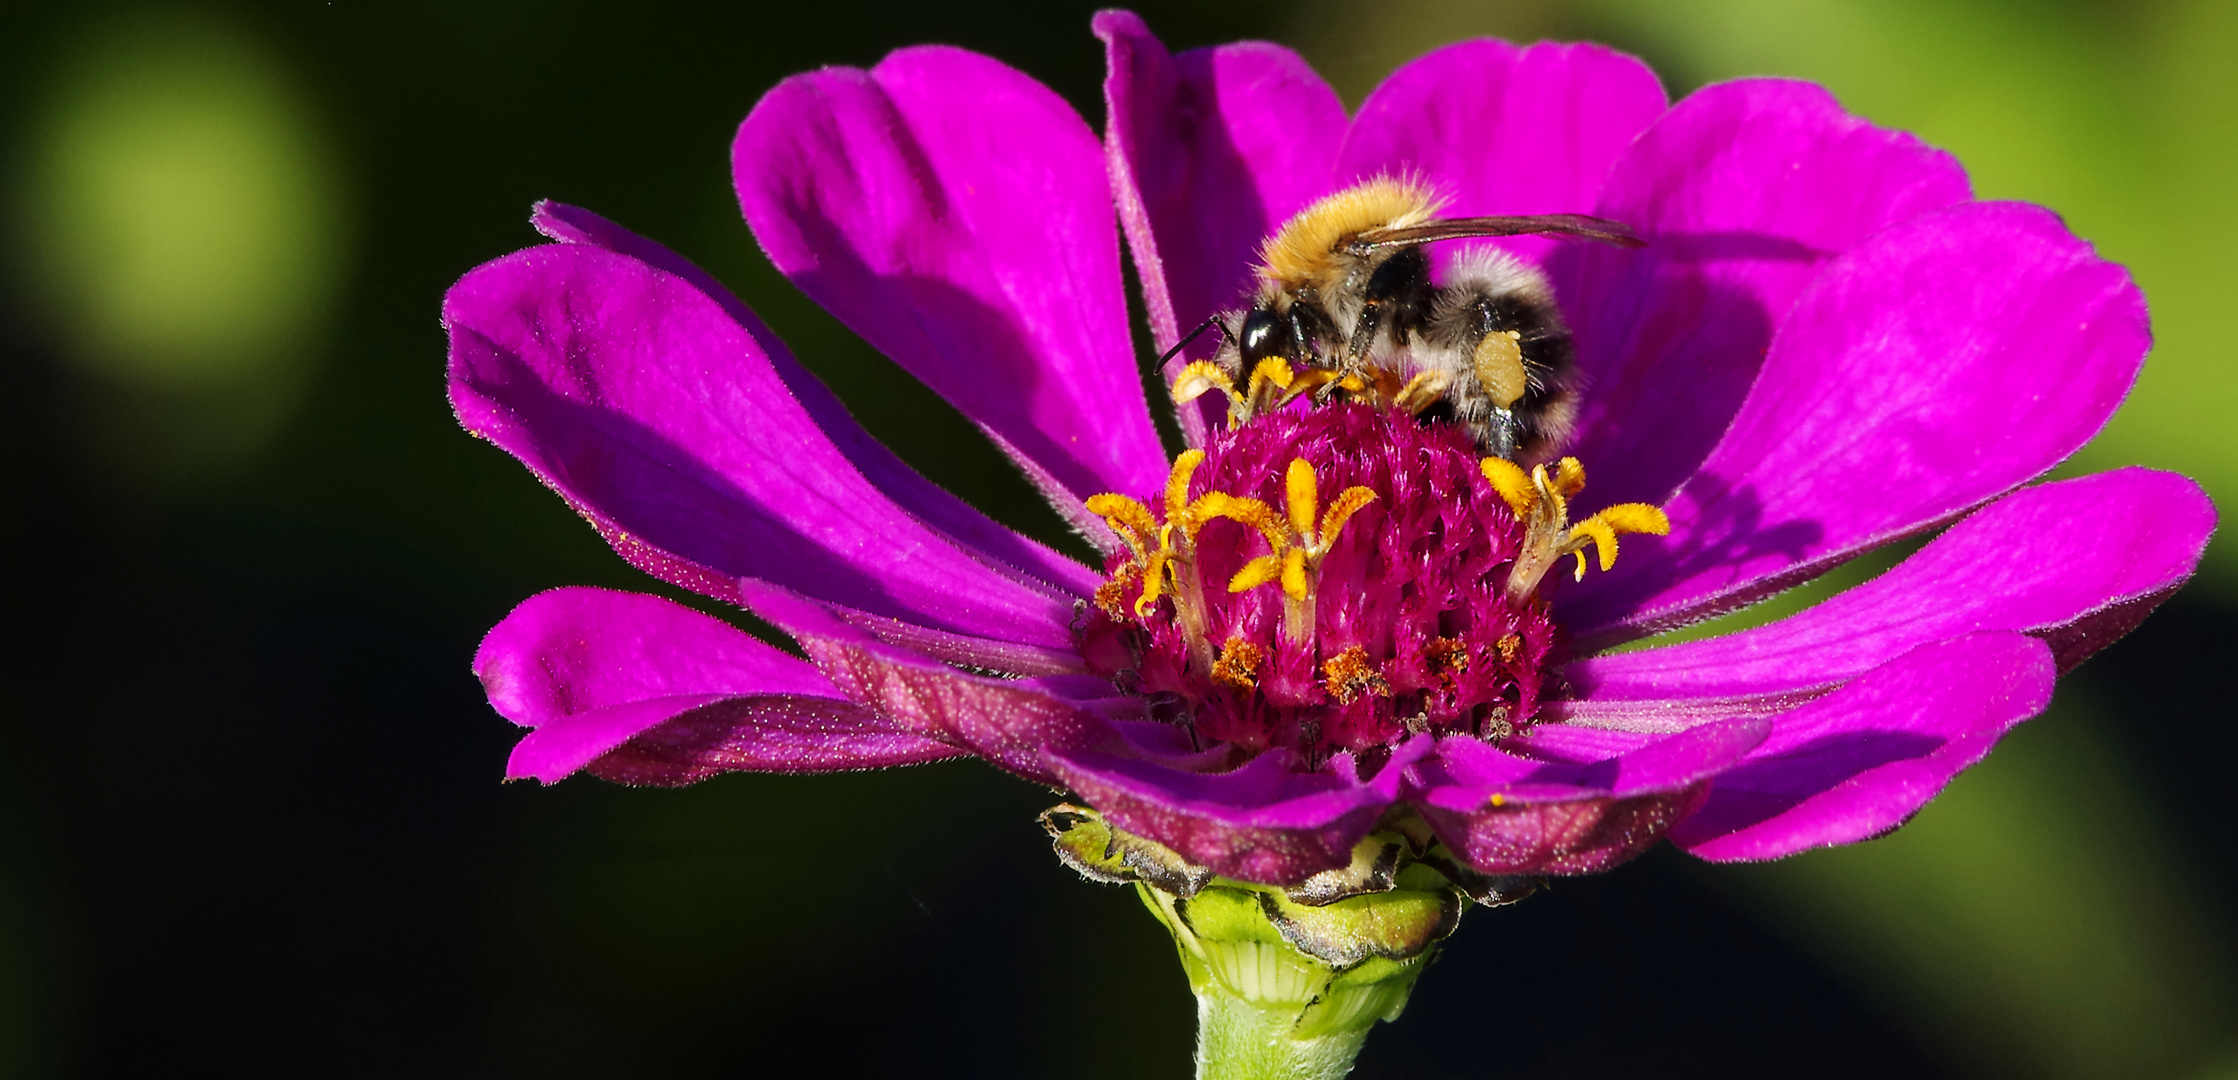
(1581, 802)
(1940, 364)
(1505, 129)
(2075, 562)
(956, 214)
(1744, 190)
(1209, 153)
(1863, 760)
(1263, 822)
(657, 415)
(643, 689)
(928, 502)
(1010, 722)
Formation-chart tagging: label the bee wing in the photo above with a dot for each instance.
(1580, 225)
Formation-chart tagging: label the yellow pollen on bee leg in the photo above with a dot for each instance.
(1498, 362)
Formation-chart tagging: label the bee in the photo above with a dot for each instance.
(1345, 286)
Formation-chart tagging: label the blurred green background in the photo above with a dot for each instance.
(249, 809)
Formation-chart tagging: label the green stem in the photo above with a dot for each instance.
(1240, 1040)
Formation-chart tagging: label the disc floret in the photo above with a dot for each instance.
(1337, 577)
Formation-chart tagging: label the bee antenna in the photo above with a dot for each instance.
(1212, 323)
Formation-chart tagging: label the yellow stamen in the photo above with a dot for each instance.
(1250, 513)
(1165, 552)
(1129, 519)
(1602, 529)
(1603, 539)
(1349, 502)
(1553, 501)
(1177, 484)
(1541, 501)
(1255, 573)
(1569, 476)
(1201, 377)
(1637, 518)
(1427, 388)
(1273, 369)
(1294, 583)
(1513, 484)
(1153, 582)
(1303, 495)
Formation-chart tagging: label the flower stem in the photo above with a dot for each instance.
(1242, 1040)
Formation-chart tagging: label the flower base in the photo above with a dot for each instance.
(1289, 979)
(1242, 1040)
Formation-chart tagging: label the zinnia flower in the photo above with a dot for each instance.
(1333, 609)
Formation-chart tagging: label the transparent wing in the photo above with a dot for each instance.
(1579, 225)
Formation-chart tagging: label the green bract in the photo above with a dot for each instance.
(1289, 980)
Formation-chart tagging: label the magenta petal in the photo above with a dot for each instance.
(928, 502)
(1209, 152)
(760, 734)
(1937, 366)
(1262, 822)
(1860, 761)
(1573, 800)
(956, 214)
(611, 678)
(1744, 190)
(1505, 129)
(655, 413)
(1007, 721)
(2076, 562)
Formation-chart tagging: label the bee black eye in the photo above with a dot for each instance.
(1265, 334)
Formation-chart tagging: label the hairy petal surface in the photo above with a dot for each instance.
(2077, 563)
(1505, 129)
(1863, 760)
(956, 214)
(1264, 821)
(1010, 722)
(1744, 191)
(645, 690)
(1571, 800)
(928, 502)
(1209, 151)
(1943, 362)
(649, 407)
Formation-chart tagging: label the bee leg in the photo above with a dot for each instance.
(1363, 333)
(1500, 433)
(1397, 294)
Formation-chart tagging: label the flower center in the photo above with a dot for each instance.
(1337, 577)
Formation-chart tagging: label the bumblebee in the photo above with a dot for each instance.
(1345, 287)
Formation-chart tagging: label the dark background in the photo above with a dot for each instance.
(250, 810)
